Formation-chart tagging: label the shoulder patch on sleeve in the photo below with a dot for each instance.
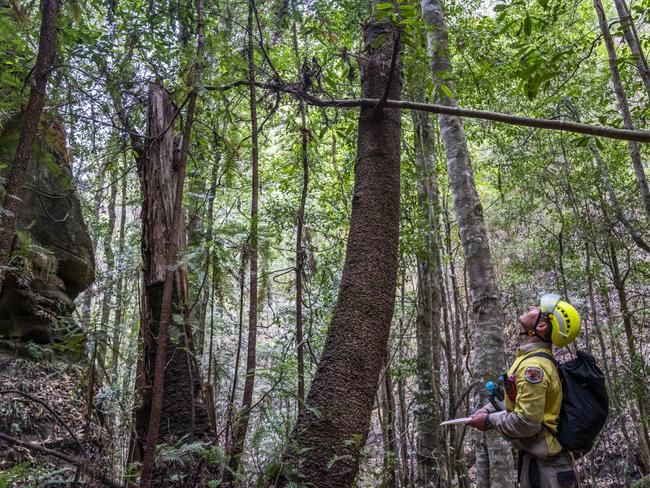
(534, 375)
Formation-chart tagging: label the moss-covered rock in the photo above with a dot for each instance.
(53, 255)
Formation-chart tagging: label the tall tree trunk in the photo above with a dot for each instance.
(119, 291)
(405, 460)
(614, 395)
(456, 459)
(494, 462)
(109, 255)
(635, 153)
(169, 397)
(632, 39)
(231, 399)
(196, 239)
(243, 416)
(209, 232)
(431, 442)
(30, 121)
(300, 252)
(208, 297)
(391, 459)
(164, 228)
(329, 435)
(637, 362)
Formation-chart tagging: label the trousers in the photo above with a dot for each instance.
(556, 472)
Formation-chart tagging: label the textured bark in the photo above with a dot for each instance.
(632, 40)
(170, 396)
(30, 120)
(624, 107)
(243, 416)
(494, 462)
(431, 449)
(329, 435)
(165, 282)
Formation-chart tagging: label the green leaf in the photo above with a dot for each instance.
(446, 90)
(581, 141)
(379, 40)
(528, 25)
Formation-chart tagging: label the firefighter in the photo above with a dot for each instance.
(533, 397)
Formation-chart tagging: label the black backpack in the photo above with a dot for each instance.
(585, 404)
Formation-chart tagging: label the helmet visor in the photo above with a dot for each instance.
(548, 302)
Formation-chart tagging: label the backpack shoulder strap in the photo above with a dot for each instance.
(546, 355)
(540, 354)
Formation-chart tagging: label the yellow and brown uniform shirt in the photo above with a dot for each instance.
(529, 420)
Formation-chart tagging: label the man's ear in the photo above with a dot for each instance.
(543, 327)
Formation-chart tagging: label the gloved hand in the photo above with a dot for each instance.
(478, 420)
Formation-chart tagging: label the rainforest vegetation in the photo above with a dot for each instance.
(277, 243)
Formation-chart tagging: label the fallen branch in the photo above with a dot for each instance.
(64, 457)
(563, 125)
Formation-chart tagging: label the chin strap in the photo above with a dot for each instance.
(533, 332)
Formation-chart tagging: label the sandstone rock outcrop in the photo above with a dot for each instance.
(53, 257)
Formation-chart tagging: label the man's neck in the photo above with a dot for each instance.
(532, 340)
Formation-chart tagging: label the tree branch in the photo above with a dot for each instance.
(562, 125)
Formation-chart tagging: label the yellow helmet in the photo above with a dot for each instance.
(564, 319)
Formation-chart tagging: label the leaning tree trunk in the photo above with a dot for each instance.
(30, 120)
(327, 440)
(493, 459)
(431, 450)
(624, 107)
